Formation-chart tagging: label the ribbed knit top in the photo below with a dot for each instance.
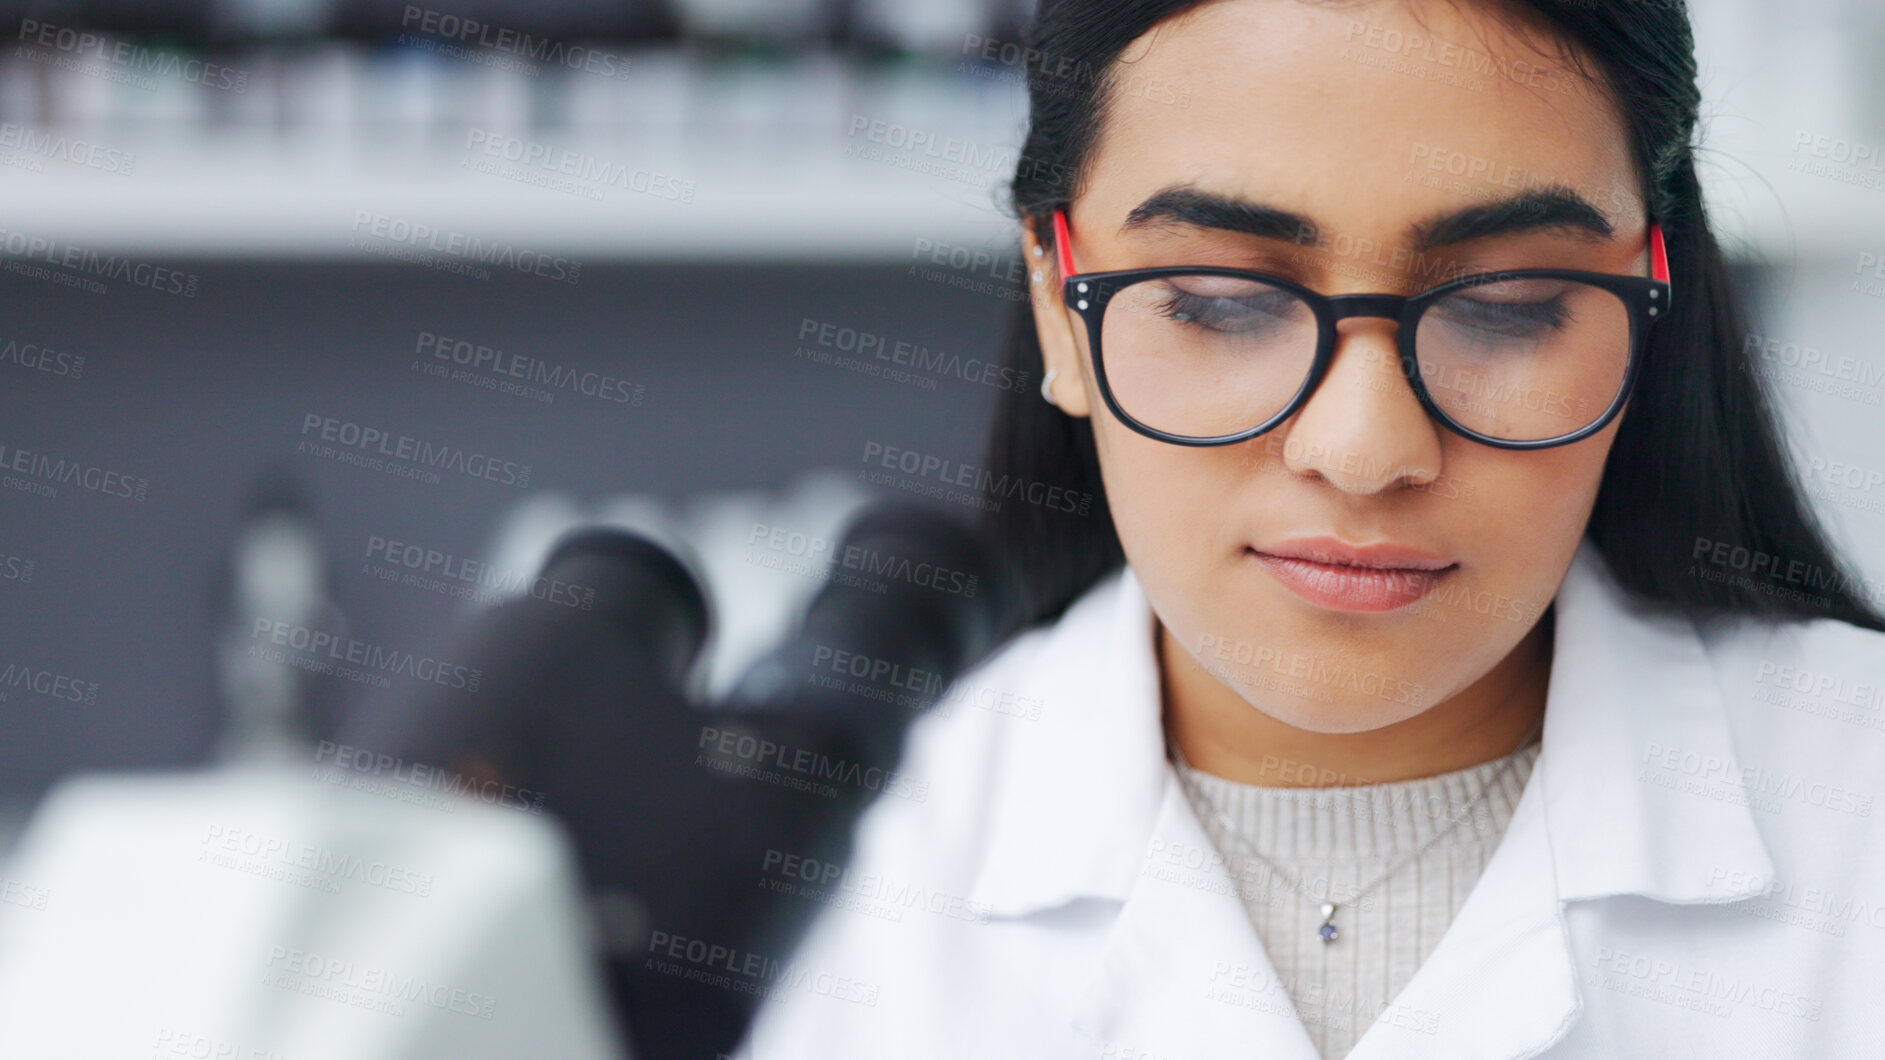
(1334, 841)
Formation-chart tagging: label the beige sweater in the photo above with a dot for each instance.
(1337, 840)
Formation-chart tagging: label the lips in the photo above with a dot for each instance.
(1365, 578)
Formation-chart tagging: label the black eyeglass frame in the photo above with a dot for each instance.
(1646, 300)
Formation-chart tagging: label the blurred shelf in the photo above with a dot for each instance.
(808, 156)
(656, 154)
(230, 203)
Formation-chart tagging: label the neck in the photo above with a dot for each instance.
(1221, 734)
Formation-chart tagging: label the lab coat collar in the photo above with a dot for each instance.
(1086, 791)
(1630, 686)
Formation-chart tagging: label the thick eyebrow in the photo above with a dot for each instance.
(1556, 207)
(1553, 207)
(1191, 207)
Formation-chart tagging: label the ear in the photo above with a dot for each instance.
(1062, 335)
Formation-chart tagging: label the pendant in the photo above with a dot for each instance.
(1327, 930)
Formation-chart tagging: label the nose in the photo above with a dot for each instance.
(1363, 431)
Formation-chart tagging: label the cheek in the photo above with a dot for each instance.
(1530, 508)
(1168, 501)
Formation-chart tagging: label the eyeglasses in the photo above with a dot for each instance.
(1519, 359)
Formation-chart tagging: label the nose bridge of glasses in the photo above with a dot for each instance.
(1371, 306)
(1368, 305)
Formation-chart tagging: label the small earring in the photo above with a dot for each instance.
(1038, 252)
(1048, 381)
(1037, 276)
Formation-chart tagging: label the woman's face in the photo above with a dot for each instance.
(1379, 126)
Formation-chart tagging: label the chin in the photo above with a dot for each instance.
(1329, 713)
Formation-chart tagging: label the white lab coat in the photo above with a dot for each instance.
(1695, 868)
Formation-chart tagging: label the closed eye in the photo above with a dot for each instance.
(1244, 313)
(1523, 310)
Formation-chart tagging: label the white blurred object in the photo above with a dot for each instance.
(936, 25)
(1776, 81)
(317, 85)
(278, 573)
(759, 591)
(488, 99)
(405, 91)
(266, 913)
(654, 96)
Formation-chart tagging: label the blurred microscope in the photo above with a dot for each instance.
(485, 868)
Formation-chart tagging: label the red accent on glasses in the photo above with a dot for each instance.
(1063, 244)
(1063, 249)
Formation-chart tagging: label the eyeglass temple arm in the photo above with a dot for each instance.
(1063, 244)
(1063, 249)
(1658, 254)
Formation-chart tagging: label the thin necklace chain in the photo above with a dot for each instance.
(1326, 930)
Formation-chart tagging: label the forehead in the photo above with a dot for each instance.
(1366, 117)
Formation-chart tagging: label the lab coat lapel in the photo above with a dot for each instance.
(1636, 686)
(1079, 789)
(1182, 973)
(1626, 681)
(1501, 982)
(1092, 809)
